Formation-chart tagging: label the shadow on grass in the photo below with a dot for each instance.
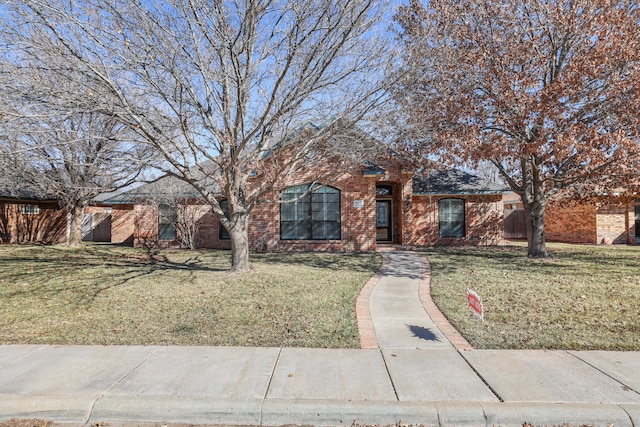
(566, 260)
(87, 271)
(323, 260)
(83, 273)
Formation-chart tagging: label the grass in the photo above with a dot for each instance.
(583, 298)
(103, 294)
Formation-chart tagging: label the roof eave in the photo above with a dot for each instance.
(462, 193)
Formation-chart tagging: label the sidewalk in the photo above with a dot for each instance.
(416, 376)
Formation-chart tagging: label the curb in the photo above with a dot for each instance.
(151, 410)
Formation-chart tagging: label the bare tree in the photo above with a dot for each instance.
(218, 87)
(72, 155)
(179, 208)
(546, 90)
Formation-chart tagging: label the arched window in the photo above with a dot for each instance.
(310, 213)
(451, 217)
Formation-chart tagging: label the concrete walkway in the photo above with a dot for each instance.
(417, 375)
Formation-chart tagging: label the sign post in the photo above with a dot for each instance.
(475, 303)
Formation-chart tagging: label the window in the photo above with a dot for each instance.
(451, 217)
(166, 222)
(30, 209)
(310, 213)
(223, 234)
(384, 190)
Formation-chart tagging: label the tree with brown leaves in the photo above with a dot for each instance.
(546, 90)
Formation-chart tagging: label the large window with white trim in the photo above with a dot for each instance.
(451, 217)
(310, 213)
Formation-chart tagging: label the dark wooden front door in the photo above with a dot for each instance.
(383, 220)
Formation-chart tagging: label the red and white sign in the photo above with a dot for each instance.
(475, 303)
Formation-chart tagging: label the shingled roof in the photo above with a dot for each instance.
(23, 194)
(454, 181)
(163, 186)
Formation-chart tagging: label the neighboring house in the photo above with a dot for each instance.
(147, 215)
(381, 203)
(602, 220)
(25, 217)
(606, 219)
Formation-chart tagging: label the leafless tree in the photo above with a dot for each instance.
(219, 88)
(72, 155)
(178, 206)
(548, 91)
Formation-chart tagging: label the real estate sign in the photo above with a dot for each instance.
(475, 303)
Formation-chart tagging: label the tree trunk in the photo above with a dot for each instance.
(534, 213)
(239, 235)
(74, 224)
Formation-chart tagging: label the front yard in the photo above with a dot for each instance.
(585, 297)
(103, 294)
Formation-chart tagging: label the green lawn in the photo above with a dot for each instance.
(584, 297)
(103, 294)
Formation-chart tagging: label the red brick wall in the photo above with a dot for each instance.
(415, 217)
(357, 223)
(484, 221)
(146, 226)
(615, 222)
(122, 223)
(570, 222)
(603, 221)
(122, 219)
(48, 226)
(208, 228)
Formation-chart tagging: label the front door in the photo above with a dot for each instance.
(383, 220)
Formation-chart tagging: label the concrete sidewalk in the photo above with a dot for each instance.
(416, 377)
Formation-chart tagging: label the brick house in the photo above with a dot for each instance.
(603, 220)
(27, 218)
(612, 219)
(381, 203)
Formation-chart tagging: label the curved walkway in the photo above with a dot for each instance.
(395, 309)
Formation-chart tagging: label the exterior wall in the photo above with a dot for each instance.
(415, 218)
(207, 228)
(357, 220)
(47, 226)
(570, 222)
(146, 226)
(122, 224)
(605, 221)
(615, 222)
(483, 221)
(358, 212)
(122, 219)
